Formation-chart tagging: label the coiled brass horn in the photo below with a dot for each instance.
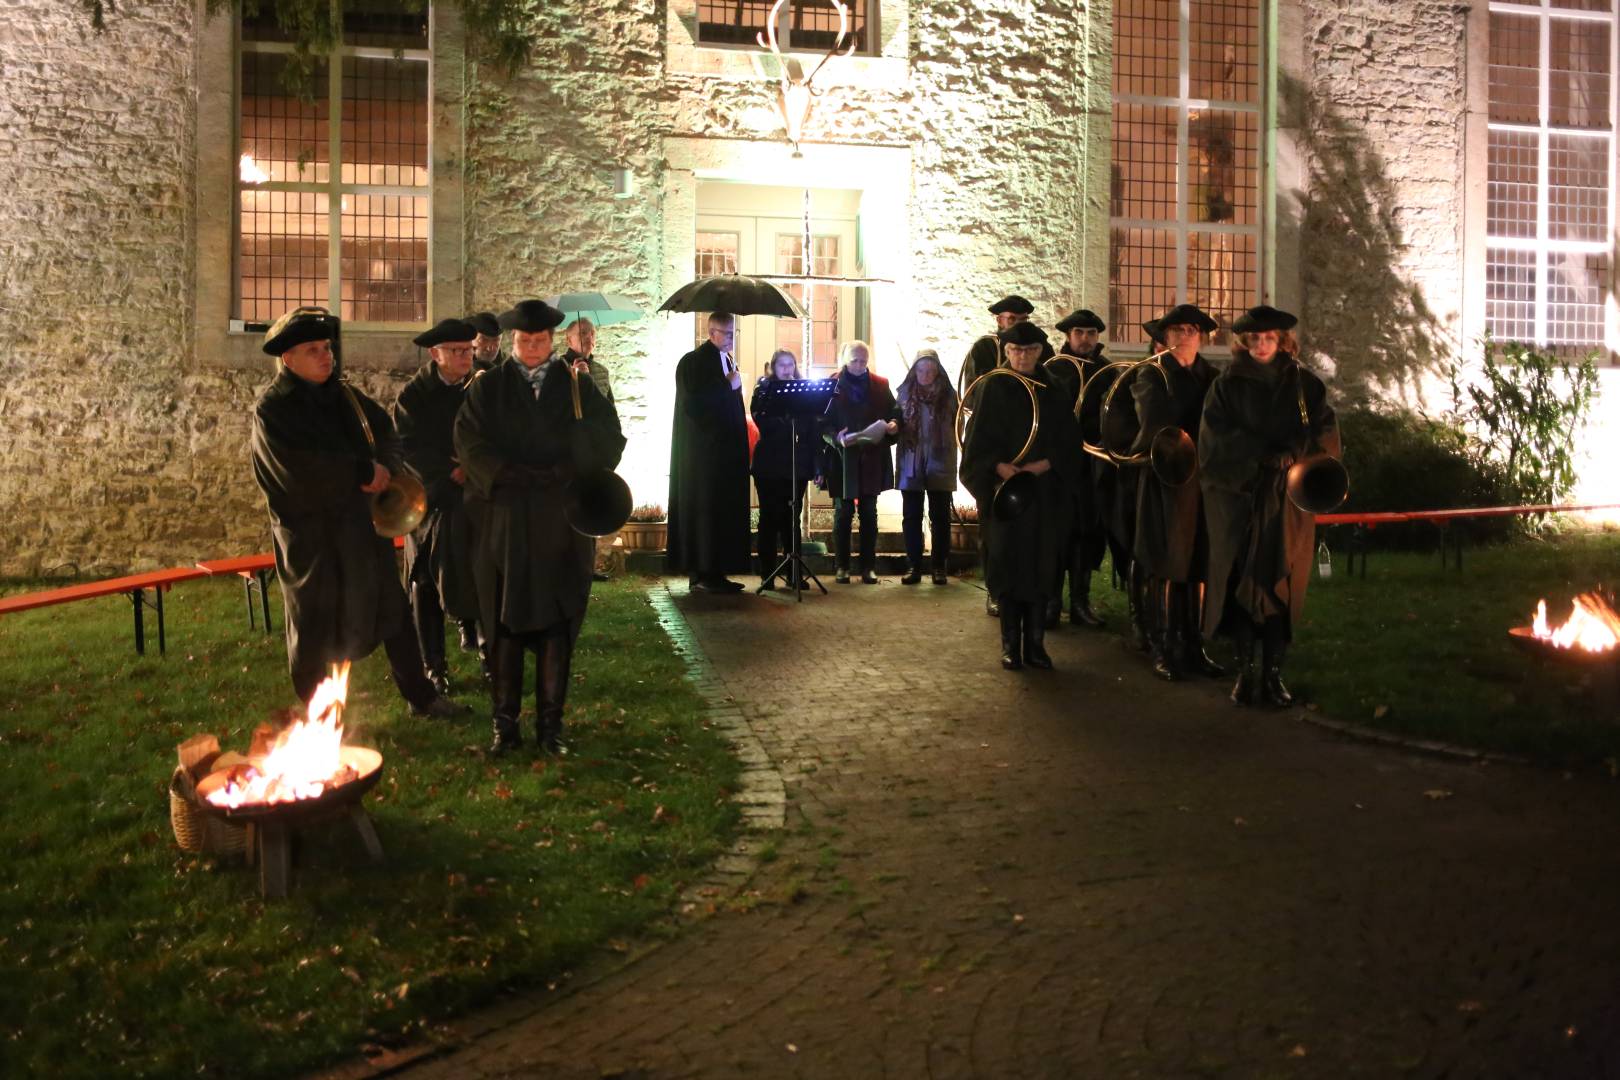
(1015, 494)
(1080, 373)
(400, 507)
(1170, 453)
(597, 502)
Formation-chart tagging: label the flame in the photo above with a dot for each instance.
(250, 171)
(305, 759)
(1592, 626)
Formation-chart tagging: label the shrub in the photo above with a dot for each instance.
(650, 513)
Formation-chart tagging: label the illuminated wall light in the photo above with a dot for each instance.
(624, 183)
(250, 171)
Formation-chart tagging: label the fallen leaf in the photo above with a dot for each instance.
(1298, 1051)
(1470, 1006)
(1380, 712)
(1239, 821)
(1437, 793)
(792, 1048)
(503, 791)
(642, 881)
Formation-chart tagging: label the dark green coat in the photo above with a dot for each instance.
(1171, 541)
(439, 551)
(1023, 554)
(532, 569)
(339, 582)
(982, 356)
(1260, 544)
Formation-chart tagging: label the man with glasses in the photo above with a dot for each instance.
(708, 465)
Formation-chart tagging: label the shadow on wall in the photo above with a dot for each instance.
(1362, 314)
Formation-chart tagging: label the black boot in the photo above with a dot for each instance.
(469, 634)
(1243, 689)
(1165, 637)
(556, 661)
(428, 616)
(1080, 613)
(1012, 636)
(1275, 651)
(940, 564)
(913, 575)
(1051, 612)
(991, 607)
(508, 693)
(1141, 610)
(1195, 660)
(1035, 636)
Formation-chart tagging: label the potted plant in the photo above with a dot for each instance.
(964, 527)
(647, 529)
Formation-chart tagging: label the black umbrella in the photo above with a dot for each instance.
(736, 293)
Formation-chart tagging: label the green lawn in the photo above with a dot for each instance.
(121, 955)
(1424, 652)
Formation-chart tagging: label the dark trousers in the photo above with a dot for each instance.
(844, 518)
(778, 522)
(939, 525)
(404, 657)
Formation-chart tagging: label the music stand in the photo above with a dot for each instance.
(797, 399)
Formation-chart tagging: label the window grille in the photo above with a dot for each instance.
(334, 190)
(1185, 210)
(1550, 161)
(802, 25)
(824, 301)
(716, 254)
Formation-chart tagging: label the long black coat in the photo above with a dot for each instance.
(1171, 540)
(1071, 372)
(1023, 554)
(855, 471)
(439, 550)
(709, 531)
(338, 579)
(982, 356)
(1260, 544)
(774, 454)
(532, 569)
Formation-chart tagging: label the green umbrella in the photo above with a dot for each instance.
(603, 309)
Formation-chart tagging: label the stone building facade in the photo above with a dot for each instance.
(967, 152)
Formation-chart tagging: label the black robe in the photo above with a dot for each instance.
(709, 531)
(1071, 373)
(1023, 554)
(1171, 540)
(982, 356)
(856, 471)
(439, 551)
(533, 570)
(339, 583)
(1260, 544)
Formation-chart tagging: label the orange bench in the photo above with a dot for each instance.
(135, 585)
(253, 569)
(1441, 518)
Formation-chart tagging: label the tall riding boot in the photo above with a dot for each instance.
(1080, 597)
(469, 634)
(1012, 638)
(1194, 659)
(556, 659)
(1035, 636)
(429, 618)
(1243, 639)
(1166, 635)
(1142, 608)
(991, 607)
(1274, 652)
(510, 659)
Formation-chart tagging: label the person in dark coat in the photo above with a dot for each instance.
(1264, 413)
(780, 468)
(1172, 543)
(1024, 549)
(708, 465)
(521, 443)
(581, 354)
(1075, 364)
(860, 425)
(487, 345)
(985, 354)
(320, 449)
(438, 552)
(926, 463)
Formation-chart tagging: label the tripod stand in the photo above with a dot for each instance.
(799, 398)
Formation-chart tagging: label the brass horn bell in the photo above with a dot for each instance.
(400, 507)
(1171, 453)
(1017, 493)
(1318, 484)
(596, 502)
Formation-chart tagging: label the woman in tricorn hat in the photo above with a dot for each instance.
(1263, 414)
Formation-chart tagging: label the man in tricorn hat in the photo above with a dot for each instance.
(320, 450)
(985, 353)
(1075, 365)
(438, 553)
(519, 440)
(487, 345)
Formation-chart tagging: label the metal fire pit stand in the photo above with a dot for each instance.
(273, 842)
(1602, 670)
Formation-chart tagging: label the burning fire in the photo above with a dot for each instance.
(304, 760)
(1592, 626)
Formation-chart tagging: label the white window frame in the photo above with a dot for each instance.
(1542, 245)
(334, 188)
(784, 30)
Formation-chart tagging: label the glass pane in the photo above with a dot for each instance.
(1223, 276)
(283, 138)
(1225, 175)
(385, 23)
(1510, 184)
(385, 258)
(825, 300)
(716, 254)
(1576, 286)
(813, 26)
(731, 22)
(1515, 68)
(385, 122)
(1582, 5)
(1147, 43)
(1224, 37)
(1577, 187)
(281, 252)
(1144, 169)
(1578, 80)
(1141, 280)
(1510, 294)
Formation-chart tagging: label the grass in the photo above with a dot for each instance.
(1424, 652)
(122, 955)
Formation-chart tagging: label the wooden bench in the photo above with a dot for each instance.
(253, 569)
(135, 585)
(1440, 519)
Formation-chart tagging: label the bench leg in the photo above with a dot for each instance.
(264, 598)
(137, 598)
(163, 645)
(247, 591)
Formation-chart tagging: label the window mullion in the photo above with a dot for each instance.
(1183, 149)
(1543, 156)
(334, 186)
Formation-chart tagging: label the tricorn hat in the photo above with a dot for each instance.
(1014, 303)
(485, 323)
(1154, 331)
(298, 326)
(1188, 313)
(1264, 317)
(445, 330)
(531, 316)
(1082, 319)
(1023, 333)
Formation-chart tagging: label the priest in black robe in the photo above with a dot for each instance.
(521, 443)
(708, 465)
(438, 552)
(320, 450)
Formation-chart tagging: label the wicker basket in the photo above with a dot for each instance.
(196, 831)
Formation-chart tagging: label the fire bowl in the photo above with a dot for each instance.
(366, 763)
(1526, 639)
